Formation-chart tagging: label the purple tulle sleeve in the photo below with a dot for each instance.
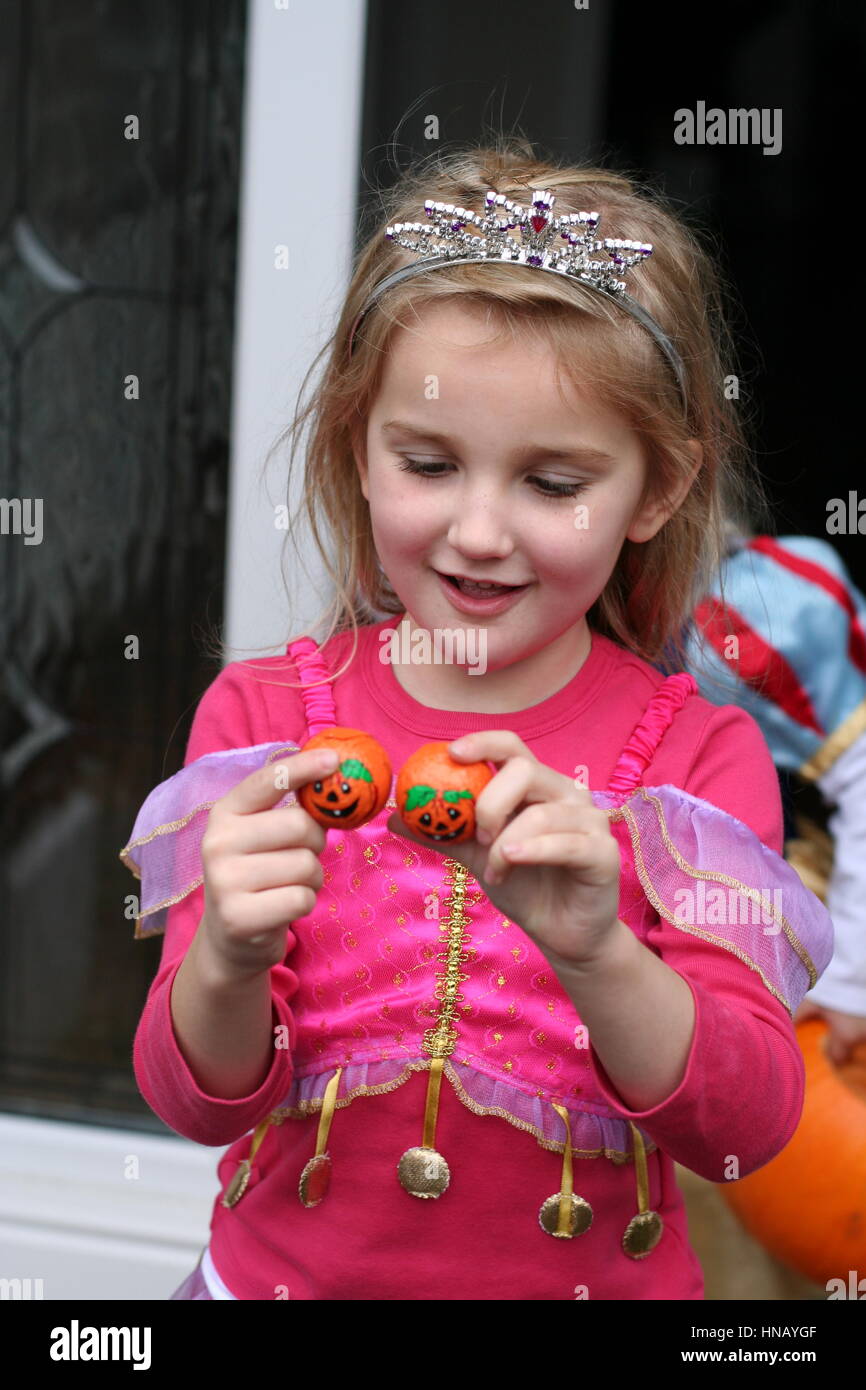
(164, 850)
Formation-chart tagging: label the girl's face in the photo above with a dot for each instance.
(521, 489)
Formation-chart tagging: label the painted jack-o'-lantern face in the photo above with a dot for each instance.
(359, 788)
(436, 795)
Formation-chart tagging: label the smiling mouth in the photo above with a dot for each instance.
(481, 591)
(445, 835)
(339, 814)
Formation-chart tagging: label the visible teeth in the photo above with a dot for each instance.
(482, 588)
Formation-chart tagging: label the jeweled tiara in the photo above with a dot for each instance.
(443, 241)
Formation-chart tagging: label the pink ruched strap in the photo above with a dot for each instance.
(318, 699)
(654, 723)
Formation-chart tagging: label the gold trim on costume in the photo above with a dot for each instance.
(168, 902)
(565, 1214)
(625, 813)
(309, 1107)
(645, 1230)
(168, 828)
(441, 1039)
(238, 1185)
(423, 1172)
(315, 1178)
(833, 747)
(556, 1146)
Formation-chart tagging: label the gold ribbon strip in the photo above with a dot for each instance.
(315, 1178)
(238, 1185)
(328, 1103)
(431, 1108)
(565, 1214)
(566, 1188)
(644, 1231)
(640, 1168)
(422, 1172)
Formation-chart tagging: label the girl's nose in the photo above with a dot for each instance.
(482, 525)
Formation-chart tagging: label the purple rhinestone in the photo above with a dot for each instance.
(533, 260)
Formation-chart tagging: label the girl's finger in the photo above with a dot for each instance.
(556, 833)
(521, 780)
(491, 745)
(269, 784)
(571, 849)
(554, 803)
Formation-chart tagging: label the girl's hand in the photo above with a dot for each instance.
(261, 869)
(844, 1031)
(563, 886)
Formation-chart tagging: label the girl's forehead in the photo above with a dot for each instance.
(461, 347)
(468, 362)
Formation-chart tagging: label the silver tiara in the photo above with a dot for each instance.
(443, 241)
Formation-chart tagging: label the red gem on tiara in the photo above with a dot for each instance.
(538, 224)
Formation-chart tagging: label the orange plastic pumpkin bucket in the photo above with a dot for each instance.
(808, 1205)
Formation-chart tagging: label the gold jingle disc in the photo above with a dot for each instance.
(580, 1218)
(423, 1172)
(642, 1234)
(315, 1180)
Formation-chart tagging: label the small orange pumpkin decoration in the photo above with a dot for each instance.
(436, 794)
(807, 1206)
(359, 788)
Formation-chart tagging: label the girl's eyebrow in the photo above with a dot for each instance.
(584, 452)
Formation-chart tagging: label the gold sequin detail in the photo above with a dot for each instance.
(441, 1039)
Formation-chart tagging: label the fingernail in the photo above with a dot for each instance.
(484, 837)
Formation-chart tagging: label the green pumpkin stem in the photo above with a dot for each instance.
(421, 795)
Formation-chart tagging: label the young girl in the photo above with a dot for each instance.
(470, 1066)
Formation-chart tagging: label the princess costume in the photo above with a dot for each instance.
(406, 967)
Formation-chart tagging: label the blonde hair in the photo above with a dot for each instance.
(654, 586)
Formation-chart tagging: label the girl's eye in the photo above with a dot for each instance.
(545, 487)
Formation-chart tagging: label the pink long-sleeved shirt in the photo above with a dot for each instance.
(741, 1093)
